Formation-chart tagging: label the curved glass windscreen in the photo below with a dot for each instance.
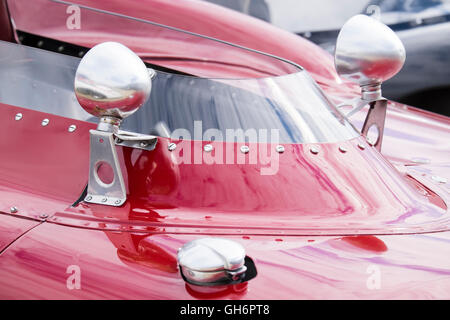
(254, 92)
(291, 105)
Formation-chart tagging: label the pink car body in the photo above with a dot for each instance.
(321, 228)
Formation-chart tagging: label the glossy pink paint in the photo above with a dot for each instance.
(315, 228)
(11, 228)
(295, 268)
(140, 239)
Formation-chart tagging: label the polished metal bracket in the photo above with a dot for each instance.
(376, 116)
(133, 140)
(103, 153)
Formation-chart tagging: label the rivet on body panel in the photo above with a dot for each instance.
(172, 146)
(245, 149)
(342, 149)
(279, 148)
(314, 150)
(208, 148)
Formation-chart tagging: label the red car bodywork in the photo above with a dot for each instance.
(314, 230)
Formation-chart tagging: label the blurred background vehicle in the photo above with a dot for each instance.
(422, 25)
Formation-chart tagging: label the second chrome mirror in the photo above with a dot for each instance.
(368, 53)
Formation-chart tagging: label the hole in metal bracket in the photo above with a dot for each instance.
(373, 134)
(104, 173)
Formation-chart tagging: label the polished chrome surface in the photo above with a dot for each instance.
(376, 117)
(103, 150)
(210, 261)
(13, 210)
(342, 149)
(208, 148)
(45, 122)
(111, 80)
(314, 150)
(368, 52)
(245, 149)
(18, 117)
(72, 128)
(279, 148)
(135, 140)
(172, 146)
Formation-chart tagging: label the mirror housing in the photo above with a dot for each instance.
(112, 81)
(368, 52)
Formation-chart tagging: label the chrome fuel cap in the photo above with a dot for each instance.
(212, 261)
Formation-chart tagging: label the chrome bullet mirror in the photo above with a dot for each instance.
(368, 52)
(112, 81)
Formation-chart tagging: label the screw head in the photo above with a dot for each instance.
(104, 199)
(208, 148)
(342, 149)
(117, 201)
(143, 144)
(172, 146)
(18, 116)
(314, 150)
(45, 122)
(245, 149)
(13, 210)
(279, 148)
(88, 198)
(43, 216)
(72, 128)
